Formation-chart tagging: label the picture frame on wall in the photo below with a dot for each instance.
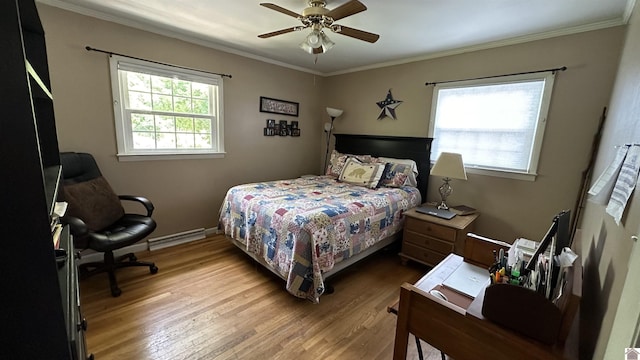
(271, 123)
(276, 106)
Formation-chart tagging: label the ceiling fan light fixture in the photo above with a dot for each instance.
(316, 40)
(306, 47)
(327, 44)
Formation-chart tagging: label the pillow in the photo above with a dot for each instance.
(395, 175)
(338, 160)
(412, 176)
(94, 202)
(358, 173)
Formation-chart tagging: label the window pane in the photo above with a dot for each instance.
(142, 122)
(181, 88)
(165, 123)
(203, 141)
(137, 81)
(492, 126)
(143, 140)
(183, 105)
(185, 141)
(200, 90)
(203, 126)
(162, 103)
(201, 107)
(161, 85)
(139, 100)
(166, 140)
(184, 124)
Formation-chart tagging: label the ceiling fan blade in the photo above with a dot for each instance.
(278, 32)
(346, 9)
(358, 34)
(280, 9)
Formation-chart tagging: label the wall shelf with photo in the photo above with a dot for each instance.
(281, 128)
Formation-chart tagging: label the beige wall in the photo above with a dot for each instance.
(509, 208)
(188, 193)
(607, 246)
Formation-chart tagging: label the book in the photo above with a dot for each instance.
(463, 210)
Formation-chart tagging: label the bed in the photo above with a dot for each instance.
(307, 229)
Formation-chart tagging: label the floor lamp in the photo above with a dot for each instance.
(328, 128)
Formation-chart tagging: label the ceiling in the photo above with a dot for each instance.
(409, 29)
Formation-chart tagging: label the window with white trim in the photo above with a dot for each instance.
(165, 110)
(496, 124)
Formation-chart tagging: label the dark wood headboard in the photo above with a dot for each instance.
(400, 147)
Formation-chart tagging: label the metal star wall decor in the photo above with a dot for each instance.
(388, 107)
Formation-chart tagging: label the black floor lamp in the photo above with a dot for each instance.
(328, 128)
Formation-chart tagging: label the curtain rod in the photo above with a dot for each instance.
(89, 48)
(495, 76)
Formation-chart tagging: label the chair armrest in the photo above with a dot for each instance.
(77, 226)
(148, 205)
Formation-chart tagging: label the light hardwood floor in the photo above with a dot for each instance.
(211, 301)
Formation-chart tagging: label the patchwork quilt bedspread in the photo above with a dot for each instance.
(302, 227)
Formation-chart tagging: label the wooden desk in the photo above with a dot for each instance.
(459, 333)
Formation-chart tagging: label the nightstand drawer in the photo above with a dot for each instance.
(431, 229)
(429, 257)
(427, 242)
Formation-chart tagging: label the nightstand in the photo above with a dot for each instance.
(428, 239)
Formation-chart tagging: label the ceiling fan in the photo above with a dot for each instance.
(318, 17)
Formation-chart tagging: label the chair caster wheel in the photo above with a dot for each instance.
(115, 292)
(153, 269)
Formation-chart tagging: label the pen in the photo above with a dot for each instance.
(501, 257)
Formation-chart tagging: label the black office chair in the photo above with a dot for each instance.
(97, 219)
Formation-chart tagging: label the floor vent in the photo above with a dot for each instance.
(176, 239)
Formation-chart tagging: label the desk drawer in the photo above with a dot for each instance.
(427, 242)
(427, 228)
(421, 254)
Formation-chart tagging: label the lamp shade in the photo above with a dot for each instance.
(334, 113)
(449, 165)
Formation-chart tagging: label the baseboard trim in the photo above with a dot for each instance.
(152, 244)
(176, 239)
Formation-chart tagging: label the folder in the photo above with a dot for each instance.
(468, 279)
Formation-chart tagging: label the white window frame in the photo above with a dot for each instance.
(529, 174)
(124, 136)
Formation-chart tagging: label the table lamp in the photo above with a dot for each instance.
(449, 166)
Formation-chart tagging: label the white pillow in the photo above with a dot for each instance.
(411, 179)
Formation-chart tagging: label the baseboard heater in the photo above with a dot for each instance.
(176, 239)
